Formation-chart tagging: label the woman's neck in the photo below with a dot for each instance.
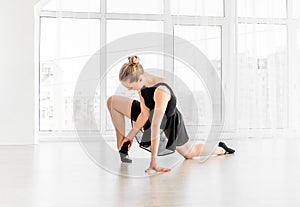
(150, 80)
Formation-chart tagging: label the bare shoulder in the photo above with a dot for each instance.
(162, 92)
(164, 87)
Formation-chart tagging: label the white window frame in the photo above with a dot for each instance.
(228, 24)
(291, 25)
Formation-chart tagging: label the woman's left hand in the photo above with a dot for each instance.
(126, 139)
(155, 167)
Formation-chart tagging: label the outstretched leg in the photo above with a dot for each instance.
(119, 107)
(189, 151)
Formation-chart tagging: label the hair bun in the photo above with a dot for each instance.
(133, 60)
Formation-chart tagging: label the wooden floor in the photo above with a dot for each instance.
(263, 172)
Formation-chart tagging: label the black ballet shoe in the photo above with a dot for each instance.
(125, 158)
(124, 153)
(227, 149)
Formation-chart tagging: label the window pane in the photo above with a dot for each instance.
(73, 5)
(262, 8)
(120, 28)
(66, 45)
(135, 6)
(200, 108)
(208, 40)
(197, 7)
(262, 76)
(297, 78)
(117, 29)
(296, 9)
(298, 38)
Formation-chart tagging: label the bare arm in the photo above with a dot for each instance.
(140, 122)
(161, 98)
(141, 119)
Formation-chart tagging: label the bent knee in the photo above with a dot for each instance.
(109, 102)
(188, 156)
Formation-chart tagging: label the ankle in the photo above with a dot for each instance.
(227, 149)
(124, 148)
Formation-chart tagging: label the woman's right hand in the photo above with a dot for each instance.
(153, 166)
(126, 139)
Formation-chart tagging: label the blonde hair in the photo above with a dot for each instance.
(132, 70)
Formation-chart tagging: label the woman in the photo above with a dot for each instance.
(156, 110)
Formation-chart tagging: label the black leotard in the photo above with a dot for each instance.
(172, 124)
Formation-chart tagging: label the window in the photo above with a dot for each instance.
(295, 8)
(208, 40)
(73, 5)
(120, 28)
(65, 47)
(135, 6)
(262, 76)
(297, 81)
(197, 8)
(247, 42)
(262, 8)
(298, 38)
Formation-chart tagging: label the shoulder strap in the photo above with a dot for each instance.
(162, 83)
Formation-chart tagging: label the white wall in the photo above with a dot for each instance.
(17, 71)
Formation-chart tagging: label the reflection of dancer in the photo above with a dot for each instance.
(157, 101)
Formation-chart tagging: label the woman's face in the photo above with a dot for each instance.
(137, 85)
(130, 86)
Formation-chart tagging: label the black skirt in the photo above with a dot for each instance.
(173, 132)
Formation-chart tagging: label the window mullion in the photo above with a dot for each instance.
(229, 69)
(292, 64)
(251, 20)
(190, 20)
(70, 14)
(168, 46)
(103, 57)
